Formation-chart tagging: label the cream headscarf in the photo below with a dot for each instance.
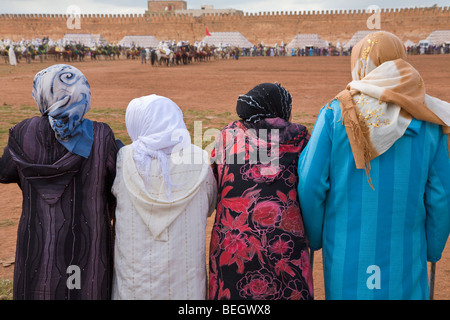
(155, 125)
(385, 94)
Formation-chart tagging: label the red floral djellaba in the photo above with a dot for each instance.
(258, 247)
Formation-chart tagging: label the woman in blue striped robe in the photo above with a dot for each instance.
(374, 180)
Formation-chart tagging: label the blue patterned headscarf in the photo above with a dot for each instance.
(63, 94)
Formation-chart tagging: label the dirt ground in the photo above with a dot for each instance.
(208, 88)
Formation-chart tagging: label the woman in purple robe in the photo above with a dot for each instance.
(65, 166)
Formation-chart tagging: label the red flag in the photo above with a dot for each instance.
(207, 32)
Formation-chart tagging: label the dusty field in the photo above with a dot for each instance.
(206, 92)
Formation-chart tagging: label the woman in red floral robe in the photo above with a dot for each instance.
(259, 249)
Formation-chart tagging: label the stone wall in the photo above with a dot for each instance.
(270, 27)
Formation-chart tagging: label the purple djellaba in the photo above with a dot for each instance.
(65, 167)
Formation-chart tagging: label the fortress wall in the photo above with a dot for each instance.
(270, 27)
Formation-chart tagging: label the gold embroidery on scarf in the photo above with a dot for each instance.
(367, 50)
(421, 82)
(365, 54)
(372, 117)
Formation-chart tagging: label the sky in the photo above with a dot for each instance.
(139, 6)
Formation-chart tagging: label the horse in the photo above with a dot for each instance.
(69, 54)
(226, 53)
(93, 51)
(184, 54)
(80, 52)
(28, 54)
(191, 53)
(54, 52)
(5, 54)
(200, 55)
(132, 53)
(179, 55)
(115, 52)
(166, 55)
(216, 54)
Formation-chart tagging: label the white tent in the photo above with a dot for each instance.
(303, 40)
(409, 43)
(83, 38)
(234, 39)
(425, 43)
(439, 37)
(357, 37)
(98, 38)
(141, 41)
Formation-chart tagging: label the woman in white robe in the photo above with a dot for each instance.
(165, 190)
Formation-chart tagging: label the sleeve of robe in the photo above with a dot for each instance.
(313, 172)
(211, 184)
(437, 202)
(8, 169)
(112, 150)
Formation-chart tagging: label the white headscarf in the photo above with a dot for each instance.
(155, 125)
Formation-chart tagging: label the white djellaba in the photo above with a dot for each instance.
(163, 202)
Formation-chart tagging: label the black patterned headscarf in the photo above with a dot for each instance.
(266, 100)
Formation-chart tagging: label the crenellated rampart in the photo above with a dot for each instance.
(270, 27)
